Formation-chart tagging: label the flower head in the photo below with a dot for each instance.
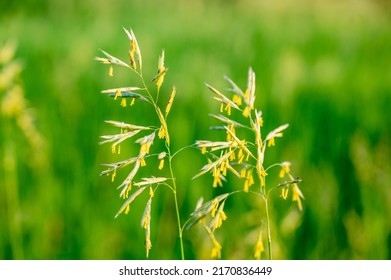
(161, 72)
(285, 169)
(259, 248)
(297, 195)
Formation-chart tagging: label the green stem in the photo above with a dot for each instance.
(147, 90)
(269, 236)
(176, 207)
(174, 188)
(13, 203)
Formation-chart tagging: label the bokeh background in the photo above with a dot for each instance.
(324, 67)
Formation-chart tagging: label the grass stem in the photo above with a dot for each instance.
(269, 236)
(176, 206)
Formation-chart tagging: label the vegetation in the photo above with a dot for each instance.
(323, 67)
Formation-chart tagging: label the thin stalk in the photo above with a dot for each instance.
(147, 90)
(176, 206)
(174, 187)
(260, 156)
(269, 236)
(13, 203)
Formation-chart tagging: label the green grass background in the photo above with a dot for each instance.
(322, 66)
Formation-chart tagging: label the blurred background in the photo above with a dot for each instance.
(324, 67)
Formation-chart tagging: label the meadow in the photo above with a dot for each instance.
(321, 66)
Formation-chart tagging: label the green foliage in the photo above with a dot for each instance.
(323, 67)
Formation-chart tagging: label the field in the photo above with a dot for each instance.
(324, 67)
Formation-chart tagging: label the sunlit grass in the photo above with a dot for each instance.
(323, 68)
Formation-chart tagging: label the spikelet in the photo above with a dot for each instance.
(170, 101)
(162, 70)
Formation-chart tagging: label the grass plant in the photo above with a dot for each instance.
(242, 157)
(16, 118)
(323, 68)
(133, 186)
